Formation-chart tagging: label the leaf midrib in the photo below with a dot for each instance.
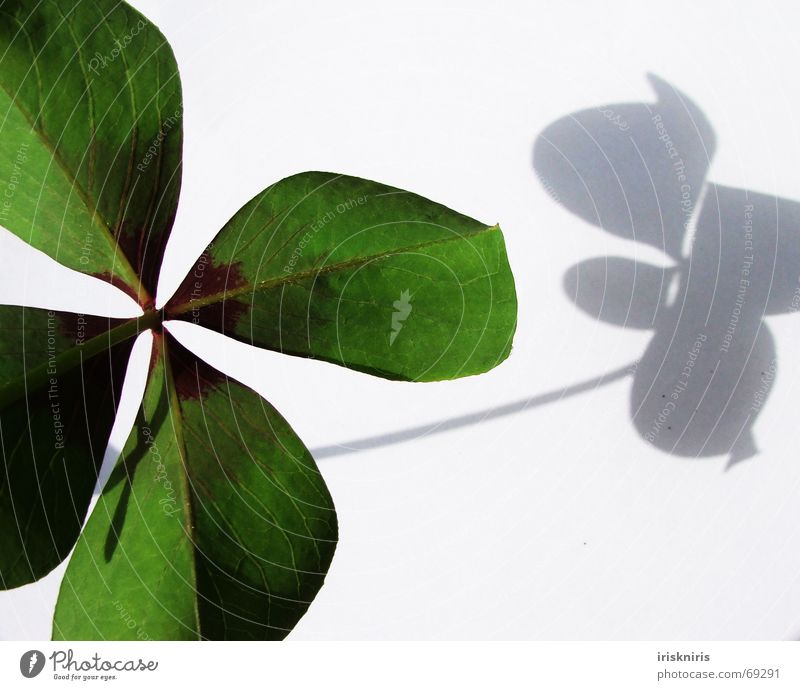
(232, 293)
(176, 419)
(84, 196)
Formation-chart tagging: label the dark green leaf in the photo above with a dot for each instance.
(360, 274)
(216, 523)
(90, 136)
(57, 413)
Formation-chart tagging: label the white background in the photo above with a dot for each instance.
(559, 521)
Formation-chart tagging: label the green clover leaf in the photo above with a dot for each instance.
(215, 522)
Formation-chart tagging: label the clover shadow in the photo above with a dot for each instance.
(731, 257)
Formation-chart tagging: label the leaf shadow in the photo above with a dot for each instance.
(730, 258)
(126, 469)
